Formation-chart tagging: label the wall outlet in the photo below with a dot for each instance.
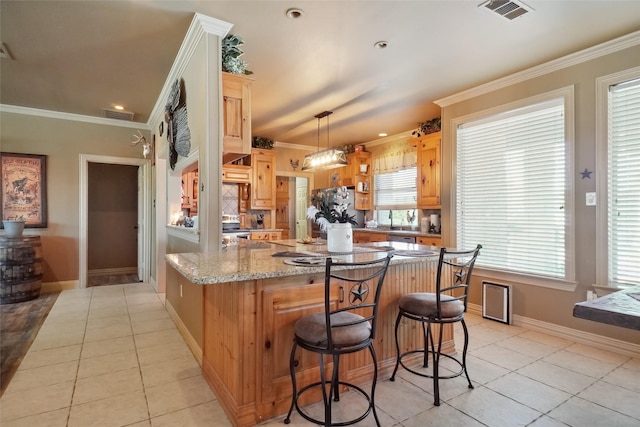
(591, 199)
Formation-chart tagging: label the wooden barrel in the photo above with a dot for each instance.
(20, 268)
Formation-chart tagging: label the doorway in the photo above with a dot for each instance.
(142, 225)
(112, 224)
(292, 200)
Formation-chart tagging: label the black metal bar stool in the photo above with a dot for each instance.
(341, 331)
(446, 306)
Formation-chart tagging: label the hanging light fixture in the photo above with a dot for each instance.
(330, 158)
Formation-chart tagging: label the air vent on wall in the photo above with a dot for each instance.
(118, 115)
(508, 9)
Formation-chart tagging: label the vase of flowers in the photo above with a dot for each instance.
(332, 216)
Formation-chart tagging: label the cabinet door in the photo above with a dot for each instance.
(427, 240)
(263, 191)
(281, 308)
(236, 173)
(236, 105)
(429, 171)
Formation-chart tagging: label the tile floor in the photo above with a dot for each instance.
(111, 356)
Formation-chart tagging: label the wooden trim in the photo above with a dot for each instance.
(182, 328)
(119, 270)
(66, 285)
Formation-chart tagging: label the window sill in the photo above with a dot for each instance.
(525, 279)
(187, 233)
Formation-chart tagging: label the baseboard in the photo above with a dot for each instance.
(191, 343)
(587, 338)
(112, 271)
(50, 287)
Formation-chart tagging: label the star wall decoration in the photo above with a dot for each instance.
(586, 173)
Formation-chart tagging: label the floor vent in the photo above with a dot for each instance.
(118, 115)
(496, 302)
(508, 9)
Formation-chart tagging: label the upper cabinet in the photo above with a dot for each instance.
(236, 105)
(357, 174)
(263, 182)
(428, 147)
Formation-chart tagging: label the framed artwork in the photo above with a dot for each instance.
(24, 188)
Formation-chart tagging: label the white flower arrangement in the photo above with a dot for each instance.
(331, 210)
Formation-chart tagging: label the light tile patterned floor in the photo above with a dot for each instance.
(111, 356)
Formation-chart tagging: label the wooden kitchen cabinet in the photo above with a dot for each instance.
(428, 240)
(266, 235)
(263, 180)
(361, 180)
(236, 173)
(190, 192)
(236, 107)
(281, 307)
(368, 237)
(428, 179)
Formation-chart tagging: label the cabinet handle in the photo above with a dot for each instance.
(267, 344)
(296, 363)
(341, 294)
(430, 163)
(310, 281)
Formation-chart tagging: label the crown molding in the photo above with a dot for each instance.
(391, 138)
(576, 58)
(294, 146)
(70, 116)
(200, 25)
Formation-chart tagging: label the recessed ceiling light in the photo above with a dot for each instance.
(381, 44)
(382, 134)
(294, 13)
(118, 107)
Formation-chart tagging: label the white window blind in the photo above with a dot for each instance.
(396, 190)
(624, 183)
(511, 182)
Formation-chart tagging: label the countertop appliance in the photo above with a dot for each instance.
(231, 230)
(329, 193)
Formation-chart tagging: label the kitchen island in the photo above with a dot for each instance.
(252, 295)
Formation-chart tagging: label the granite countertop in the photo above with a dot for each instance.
(621, 308)
(252, 259)
(397, 232)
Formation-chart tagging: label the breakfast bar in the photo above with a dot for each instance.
(253, 294)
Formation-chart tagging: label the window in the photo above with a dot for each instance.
(395, 191)
(512, 187)
(621, 148)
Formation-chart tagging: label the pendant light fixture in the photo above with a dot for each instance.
(330, 158)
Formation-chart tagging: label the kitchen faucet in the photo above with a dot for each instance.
(391, 218)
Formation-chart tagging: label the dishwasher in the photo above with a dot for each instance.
(398, 238)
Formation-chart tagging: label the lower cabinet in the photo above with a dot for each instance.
(266, 235)
(367, 237)
(428, 240)
(294, 298)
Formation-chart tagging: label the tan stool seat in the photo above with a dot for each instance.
(425, 305)
(313, 329)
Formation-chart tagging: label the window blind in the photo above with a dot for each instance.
(396, 190)
(624, 183)
(511, 189)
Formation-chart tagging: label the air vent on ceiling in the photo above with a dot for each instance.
(508, 9)
(118, 115)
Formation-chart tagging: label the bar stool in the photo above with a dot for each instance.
(446, 306)
(341, 331)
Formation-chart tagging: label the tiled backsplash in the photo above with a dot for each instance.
(230, 196)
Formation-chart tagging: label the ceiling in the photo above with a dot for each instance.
(82, 56)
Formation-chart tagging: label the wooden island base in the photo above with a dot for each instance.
(248, 334)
